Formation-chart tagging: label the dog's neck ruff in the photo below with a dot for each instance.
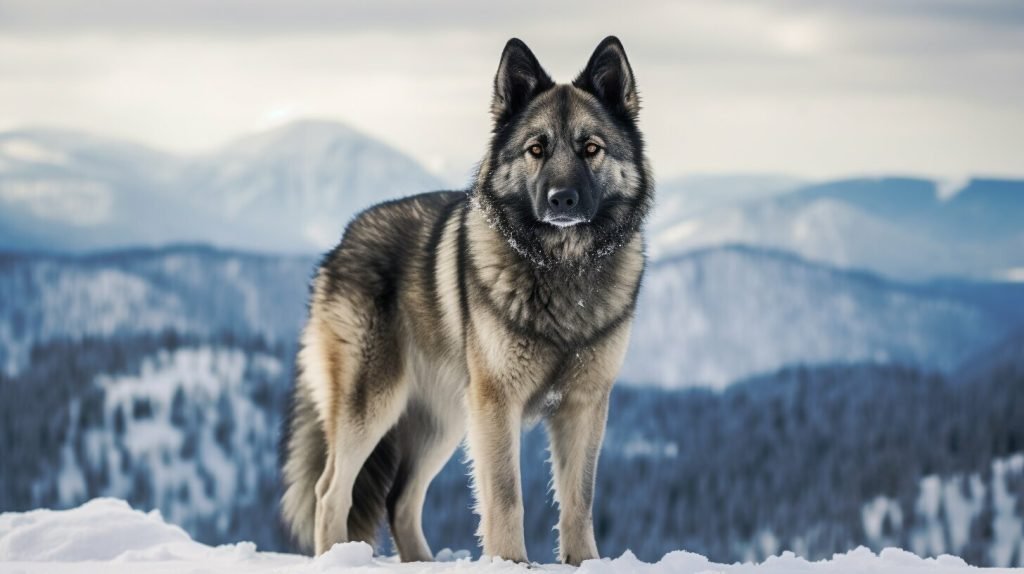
(528, 246)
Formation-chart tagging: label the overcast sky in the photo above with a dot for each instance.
(814, 89)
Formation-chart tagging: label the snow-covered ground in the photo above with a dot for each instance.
(106, 535)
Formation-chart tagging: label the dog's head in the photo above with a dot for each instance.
(565, 178)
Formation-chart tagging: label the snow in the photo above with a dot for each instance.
(79, 203)
(947, 188)
(194, 487)
(947, 507)
(103, 529)
(106, 535)
(1008, 528)
(875, 513)
(1011, 274)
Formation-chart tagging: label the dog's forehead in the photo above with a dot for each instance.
(567, 112)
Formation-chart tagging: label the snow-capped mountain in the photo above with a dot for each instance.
(680, 198)
(67, 190)
(717, 315)
(185, 290)
(291, 189)
(903, 228)
(305, 178)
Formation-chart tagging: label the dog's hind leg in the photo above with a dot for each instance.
(427, 441)
(364, 396)
(352, 446)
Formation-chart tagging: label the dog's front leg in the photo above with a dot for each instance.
(576, 430)
(494, 425)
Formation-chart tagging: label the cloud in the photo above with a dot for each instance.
(812, 88)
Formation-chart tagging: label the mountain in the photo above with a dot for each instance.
(184, 289)
(704, 318)
(721, 314)
(687, 196)
(67, 190)
(905, 228)
(976, 210)
(307, 178)
(291, 189)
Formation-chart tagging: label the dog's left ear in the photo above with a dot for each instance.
(609, 77)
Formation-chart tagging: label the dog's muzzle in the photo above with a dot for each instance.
(563, 209)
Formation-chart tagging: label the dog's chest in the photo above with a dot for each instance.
(565, 307)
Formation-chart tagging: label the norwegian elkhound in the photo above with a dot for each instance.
(460, 314)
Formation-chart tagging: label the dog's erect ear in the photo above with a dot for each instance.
(609, 77)
(518, 80)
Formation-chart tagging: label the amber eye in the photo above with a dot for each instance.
(536, 150)
(591, 149)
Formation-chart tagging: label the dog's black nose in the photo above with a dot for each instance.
(563, 200)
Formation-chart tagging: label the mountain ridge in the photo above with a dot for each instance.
(900, 227)
(291, 189)
(693, 323)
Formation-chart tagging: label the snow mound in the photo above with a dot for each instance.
(102, 529)
(107, 535)
(345, 555)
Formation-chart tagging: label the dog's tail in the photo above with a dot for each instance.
(304, 455)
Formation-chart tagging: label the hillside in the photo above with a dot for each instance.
(188, 290)
(717, 315)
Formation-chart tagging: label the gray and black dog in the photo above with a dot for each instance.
(455, 315)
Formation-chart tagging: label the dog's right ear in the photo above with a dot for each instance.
(519, 79)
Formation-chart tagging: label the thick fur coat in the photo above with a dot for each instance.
(458, 315)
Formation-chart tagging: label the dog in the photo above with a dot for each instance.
(459, 315)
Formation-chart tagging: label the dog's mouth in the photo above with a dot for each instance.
(563, 220)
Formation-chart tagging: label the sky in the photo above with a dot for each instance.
(809, 89)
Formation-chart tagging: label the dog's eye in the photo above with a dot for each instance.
(591, 149)
(536, 150)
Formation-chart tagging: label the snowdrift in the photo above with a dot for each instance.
(106, 535)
